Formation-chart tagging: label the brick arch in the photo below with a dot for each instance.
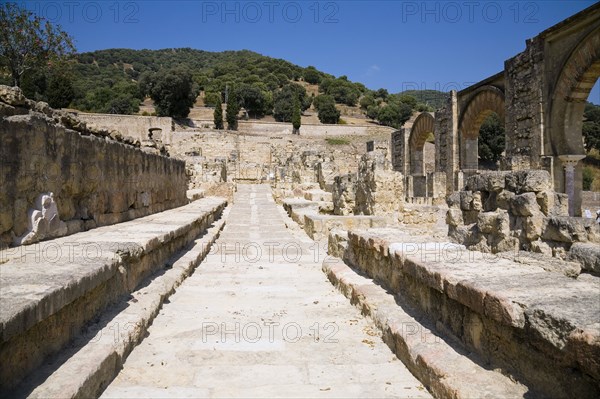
(422, 126)
(485, 101)
(577, 77)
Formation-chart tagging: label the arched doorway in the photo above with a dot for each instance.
(422, 131)
(568, 100)
(487, 101)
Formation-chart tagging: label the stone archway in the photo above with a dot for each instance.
(487, 100)
(564, 142)
(421, 129)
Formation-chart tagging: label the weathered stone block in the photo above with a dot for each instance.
(524, 204)
(553, 204)
(564, 229)
(454, 200)
(588, 255)
(528, 180)
(503, 199)
(533, 226)
(540, 247)
(454, 217)
(12, 96)
(466, 199)
(487, 181)
(487, 222)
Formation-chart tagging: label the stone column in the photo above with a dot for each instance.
(569, 163)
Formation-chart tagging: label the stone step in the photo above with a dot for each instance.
(95, 357)
(51, 290)
(539, 326)
(195, 194)
(442, 365)
(319, 226)
(193, 350)
(318, 195)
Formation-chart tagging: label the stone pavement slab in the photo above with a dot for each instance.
(258, 318)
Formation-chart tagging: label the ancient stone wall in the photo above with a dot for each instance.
(90, 179)
(524, 75)
(308, 130)
(512, 211)
(379, 189)
(446, 145)
(344, 194)
(136, 126)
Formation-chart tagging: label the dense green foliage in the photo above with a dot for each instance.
(296, 117)
(173, 92)
(591, 126)
(434, 99)
(233, 109)
(256, 101)
(117, 80)
(394, 114)
(60, 90)
(327, 112)
(211, 99)
(342, 90)
(283, 101)
(218, 114)
(312, 76)
(491, 141)
(588, 178)
(29, 43)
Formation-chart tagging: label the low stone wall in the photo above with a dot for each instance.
(51, 290)
(344, 194)
(539, 327)
(306, 130)
(135, 126)
(51, 174)
(379, 190)
(509, 211)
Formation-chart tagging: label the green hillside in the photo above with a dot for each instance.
(118, 80)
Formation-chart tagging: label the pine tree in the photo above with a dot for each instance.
(218, 114)
(296, 117)
(233, 108)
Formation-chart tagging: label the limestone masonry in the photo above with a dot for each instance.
(151, 257)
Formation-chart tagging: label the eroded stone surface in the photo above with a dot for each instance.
(320, 346)
(515, 310)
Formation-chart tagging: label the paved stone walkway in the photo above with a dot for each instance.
(258, 318)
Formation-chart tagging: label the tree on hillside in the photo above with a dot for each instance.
(491, 140)
(254, 100)
(394, 114)
(366, 101)
(29, 42)
(218, 114)
(311, 75)
(233, 109)
(211, 98)
(283, 101)
(382, 93)
(373, 111)
(173, 92)
(328, 113)
(321, 100)
(296, 117)
(60, 90)
(342, 90)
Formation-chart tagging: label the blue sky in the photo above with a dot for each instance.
(397, 45)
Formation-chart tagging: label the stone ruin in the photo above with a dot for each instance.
(493, 265)
(43, 221)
